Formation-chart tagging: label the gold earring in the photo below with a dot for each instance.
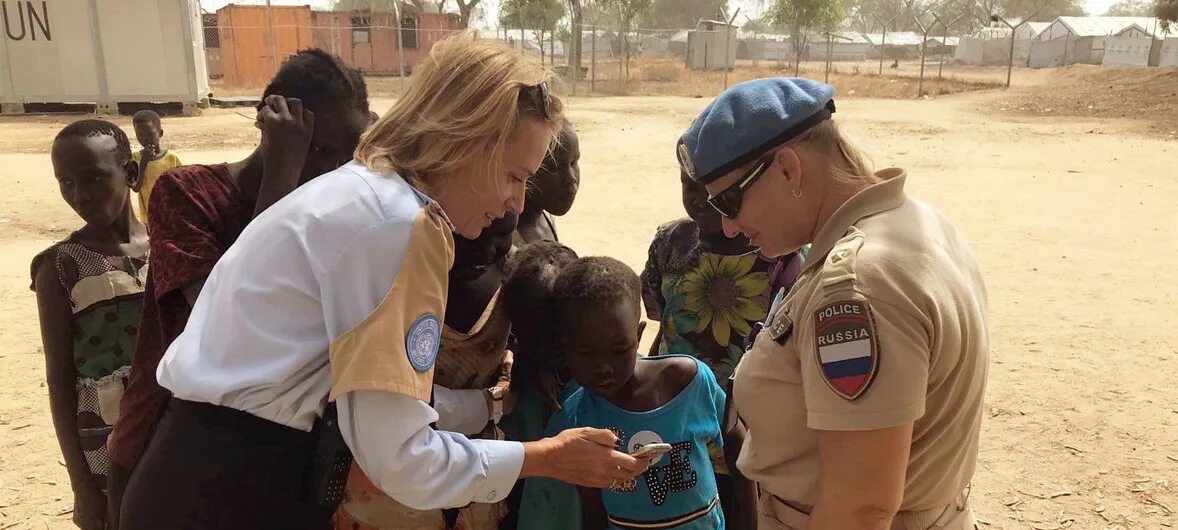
(797, 194)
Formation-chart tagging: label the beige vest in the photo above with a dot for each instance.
(886, 325)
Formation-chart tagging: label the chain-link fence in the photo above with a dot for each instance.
(245, 44)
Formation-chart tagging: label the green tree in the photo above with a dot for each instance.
(1130, 8)
(801, 16)
(681, 14)
(627, 12)
(1167, 10)
(539, 16)
(387, 6)
(1044, 10)
(530, 14)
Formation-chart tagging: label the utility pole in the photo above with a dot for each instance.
(944, 40)
(883, 41)
(923, 46)
(593, 59)
(1013, 29)
(728, 37)
(400, 41)
(273, 44)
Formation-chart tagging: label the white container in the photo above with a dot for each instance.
(101, 51)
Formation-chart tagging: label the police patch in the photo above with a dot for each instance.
(423, 340)
(847, 348)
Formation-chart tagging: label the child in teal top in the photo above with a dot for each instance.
(670, 399)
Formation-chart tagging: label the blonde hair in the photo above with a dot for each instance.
(846, 161)
(463, 99)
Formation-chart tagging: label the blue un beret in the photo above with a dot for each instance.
(748, 120)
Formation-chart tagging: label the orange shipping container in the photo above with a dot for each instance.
(368, 40)
(245, 41)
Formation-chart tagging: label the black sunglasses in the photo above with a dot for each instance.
(728, 202)
(537, 97)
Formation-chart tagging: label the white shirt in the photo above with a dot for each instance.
(307, 270)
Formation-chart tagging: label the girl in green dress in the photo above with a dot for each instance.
(89, 291)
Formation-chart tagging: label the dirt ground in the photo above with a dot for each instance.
(1072, 218)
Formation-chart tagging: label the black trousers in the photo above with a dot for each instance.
(210, 467)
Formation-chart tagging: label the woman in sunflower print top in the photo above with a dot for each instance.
(708, 292)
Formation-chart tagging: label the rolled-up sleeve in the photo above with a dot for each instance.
(417, 466)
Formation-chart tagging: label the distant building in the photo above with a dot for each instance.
(1138, 46)
(1079, 40)
(893, 45)
(842, 46)
(712, 45)
(367, 40)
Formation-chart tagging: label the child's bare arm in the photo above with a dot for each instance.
(137, 184)
(56, 337)
(592, 510)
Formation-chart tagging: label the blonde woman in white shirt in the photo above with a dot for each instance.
(335, 295)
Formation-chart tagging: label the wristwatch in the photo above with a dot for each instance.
(496, 395)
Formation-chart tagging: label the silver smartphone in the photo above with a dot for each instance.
(651, 451)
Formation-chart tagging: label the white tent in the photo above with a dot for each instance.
(1169, 55)
(1072, 40)
(843, 45)
(1030, 30)
(1137, 46)
(908, 42)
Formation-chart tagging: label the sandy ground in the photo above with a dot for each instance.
(1072, 218)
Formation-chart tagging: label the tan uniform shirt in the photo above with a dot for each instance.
(886, 325)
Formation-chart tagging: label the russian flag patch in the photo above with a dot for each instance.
(848, 351)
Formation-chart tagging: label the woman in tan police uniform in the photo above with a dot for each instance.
(863, 393)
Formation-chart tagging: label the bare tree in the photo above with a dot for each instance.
(628, 11)
(801, 16)
(465, 10)
(573, 52)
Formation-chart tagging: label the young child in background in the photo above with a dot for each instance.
(153, 160)
(541, 384)
(89, 296)
(672, 399)
(471, 359)
(551, 190)
(709, 292)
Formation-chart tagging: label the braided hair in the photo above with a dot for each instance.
(92, 128)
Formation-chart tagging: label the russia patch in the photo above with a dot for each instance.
(423, 340)
(848, 350)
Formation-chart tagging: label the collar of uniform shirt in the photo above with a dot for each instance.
(877, 198)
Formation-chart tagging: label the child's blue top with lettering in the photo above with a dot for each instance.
(678, 491)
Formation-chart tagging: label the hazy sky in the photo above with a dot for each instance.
(747, 7)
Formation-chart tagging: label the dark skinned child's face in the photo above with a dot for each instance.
(91, 178)
(148, 134)
(695, 201)
(601, 345)
(555, 184)
(472, 257)
(334, 140)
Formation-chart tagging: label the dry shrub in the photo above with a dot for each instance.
(1149, 94)
(663, 72)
